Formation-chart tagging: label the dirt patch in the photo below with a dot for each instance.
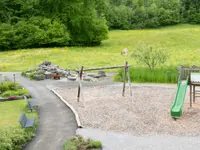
(149, 114)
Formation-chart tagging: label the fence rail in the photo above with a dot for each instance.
(107, 67)
(184, 71)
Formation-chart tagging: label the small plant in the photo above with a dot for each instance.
(79, 143)
(32, 76)
(7, 85)
(94, 144)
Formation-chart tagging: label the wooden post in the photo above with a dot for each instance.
(108, 67)
(190, 95)
(14, 78)
(129, 82)
(79, 85)
(193, 93)
(124, 83)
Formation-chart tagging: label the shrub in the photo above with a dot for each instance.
(8, 85)
(5, 141)
(35, 32)
(7, 33)
(32, 76)
(79, 143)
(14, 138)
(18, 92)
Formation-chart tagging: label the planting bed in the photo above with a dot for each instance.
(149, 114)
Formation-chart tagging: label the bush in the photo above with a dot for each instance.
(14, 138)
(8, 85)
(7, 33)
(79, 143)
(35, 32)
(18, 92)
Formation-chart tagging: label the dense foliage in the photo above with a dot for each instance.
(14, 138)
(131, 14)
(48, 23)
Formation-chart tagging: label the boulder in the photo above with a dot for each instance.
(46, 63)
(72, 78)
(39, 77)
(101, 73)
(48, 75)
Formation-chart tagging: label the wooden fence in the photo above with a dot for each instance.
(184, 71)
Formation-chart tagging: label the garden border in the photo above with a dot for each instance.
(71, 107)
(17, 98)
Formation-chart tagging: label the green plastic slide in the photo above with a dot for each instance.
(176, 109)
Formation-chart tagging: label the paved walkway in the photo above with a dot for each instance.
(56, 121)
(117, 141)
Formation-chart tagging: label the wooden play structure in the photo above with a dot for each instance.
(187, 76)
(126, 76)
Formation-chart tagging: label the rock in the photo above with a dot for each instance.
(87, 78)
(97, 76)
(40, 71)
(72, 78)
(91, 74)
(48, 75)
(101, 73)
(49, 69)
(68, 72)
(46, 63)
(39, 77)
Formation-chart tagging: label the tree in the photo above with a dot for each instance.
(150, 55)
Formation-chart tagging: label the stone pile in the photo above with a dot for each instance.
(48, 69)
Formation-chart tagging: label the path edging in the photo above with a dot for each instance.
(71, 107)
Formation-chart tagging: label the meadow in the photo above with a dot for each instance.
(181, 42)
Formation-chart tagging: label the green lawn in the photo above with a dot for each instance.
(182, 43)
(10, 112)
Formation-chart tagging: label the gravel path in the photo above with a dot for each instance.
(149, 114)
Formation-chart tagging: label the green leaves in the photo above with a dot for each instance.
(150, 55)
(13, 138)
(35, 32)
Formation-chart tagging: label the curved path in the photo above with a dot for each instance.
(56, 121)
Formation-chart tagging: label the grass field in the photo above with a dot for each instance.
(182, 43)
(10, 112)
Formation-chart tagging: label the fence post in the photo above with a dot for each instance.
(14, 78)
(129, 82)
(79, 85)
(124, 83)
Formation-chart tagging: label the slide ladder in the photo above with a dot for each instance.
(176, 109)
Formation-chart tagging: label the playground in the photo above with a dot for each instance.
(148, 114)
